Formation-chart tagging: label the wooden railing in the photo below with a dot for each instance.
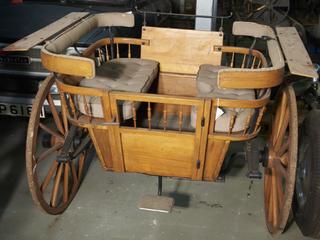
(250, 127)
(238, 57)
(155, 111)
(122, 47)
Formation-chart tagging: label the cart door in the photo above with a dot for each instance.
(161, 138)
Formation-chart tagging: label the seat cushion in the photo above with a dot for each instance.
(123, 74)
(207, 86)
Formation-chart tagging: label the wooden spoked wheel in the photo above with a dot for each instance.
(280, 171)
(53, 179)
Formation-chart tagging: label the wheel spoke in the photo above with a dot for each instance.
(270, 201)
(279, 117)
(81, 163)
(55, 114)
(66, 183)
(48, 152)
(52, 132)
(280, 192)
(55, 190)
(275, 207)
(282, 131)
(47, 179)
(284, 148)
(74, 173)
(280, 169)
(284, 159)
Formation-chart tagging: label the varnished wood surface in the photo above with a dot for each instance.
(70, 65)
(177, 84)
(250, 79)
(41, 35)
(297, 57)
(163, 154)
(215, 154)
(180, 50)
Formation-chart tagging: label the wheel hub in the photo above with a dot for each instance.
(264, 156)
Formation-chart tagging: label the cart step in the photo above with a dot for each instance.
(156, 203)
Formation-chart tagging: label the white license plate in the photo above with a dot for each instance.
(14, 109)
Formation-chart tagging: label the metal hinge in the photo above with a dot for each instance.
(198, 164)
(202, 121)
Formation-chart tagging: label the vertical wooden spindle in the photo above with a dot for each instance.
(261, 112)
(64, 112)
(244, 60)
(129, 51)
(134, 114)
(149, 115)
(232, 60)
(87, 108)
(259, 64)
(247, 123)
(107, 53)
(165, 120)
(180, 117)
(118, 53)
(100, 56)
(253, 62)
(72, 106)
(232, 121)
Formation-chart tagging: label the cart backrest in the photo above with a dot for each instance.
(259, 31)
(265, 77)
(181, 50)
(52, 55)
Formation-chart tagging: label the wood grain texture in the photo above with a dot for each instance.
(108, 147)
(250, 79)
(297, 57)
(180, 50)
(71, 65)
(177, 84)
(157, 153)
(41, 35)
(216, 151)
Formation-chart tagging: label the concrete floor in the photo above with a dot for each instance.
(105, 206)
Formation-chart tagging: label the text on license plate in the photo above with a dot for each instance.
(17, 110)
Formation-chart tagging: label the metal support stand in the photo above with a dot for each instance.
(157, 203)
(159, 185)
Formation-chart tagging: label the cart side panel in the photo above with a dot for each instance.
(216, 151)
(108, 147)
(163, 154)
(181, 50)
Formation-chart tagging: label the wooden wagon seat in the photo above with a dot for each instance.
(122, 74)
(207, 86)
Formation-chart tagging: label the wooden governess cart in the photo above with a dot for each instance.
(171, 112)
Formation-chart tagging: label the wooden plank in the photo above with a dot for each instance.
(216, 151)
(297, 57)
(177, 84)
(158, 153)
(181, 50)
(41, 35)
(108, 147)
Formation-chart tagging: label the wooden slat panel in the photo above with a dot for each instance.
(41, 35)
(295, 52)
(216, 151)
(177, 84)
(108, 148)
(180, 50)
(169, 154)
